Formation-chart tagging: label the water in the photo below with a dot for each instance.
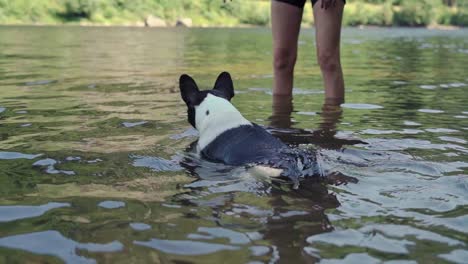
(95, 161)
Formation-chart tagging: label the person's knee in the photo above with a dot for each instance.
(328, 61)
(284, 59)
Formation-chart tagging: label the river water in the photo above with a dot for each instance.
(95, 161)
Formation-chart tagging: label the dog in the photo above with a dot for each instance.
(226, 136)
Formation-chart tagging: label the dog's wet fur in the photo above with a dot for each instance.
(227, 137)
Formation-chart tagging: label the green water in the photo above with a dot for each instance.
(94, 162)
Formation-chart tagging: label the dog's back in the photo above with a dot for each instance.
(242, 145)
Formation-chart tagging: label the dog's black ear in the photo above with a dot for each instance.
(224, 85)
(188, 90)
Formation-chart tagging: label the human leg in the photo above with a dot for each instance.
(285, 22)
(282, 107)
(328, 33)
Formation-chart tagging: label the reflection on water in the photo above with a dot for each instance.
(96, 160)
(185, 247)
(6, 155)
(11, 213)
(54, 244)
(323, 136)
(111, 204)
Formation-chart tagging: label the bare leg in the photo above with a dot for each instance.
(281, 111)
(327, 34)
(285, 23)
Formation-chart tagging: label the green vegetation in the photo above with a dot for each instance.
(225, 13)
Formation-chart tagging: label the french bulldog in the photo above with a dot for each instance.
(226, 136)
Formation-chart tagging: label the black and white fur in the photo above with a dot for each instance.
(227, 137)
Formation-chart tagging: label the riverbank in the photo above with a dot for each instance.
(217, 13)
(304, 26)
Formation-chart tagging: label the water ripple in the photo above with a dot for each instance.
(431, 111)
(371, 241)
(15, 212)
(219, 232)
(55, 244)
(16, 155)
(353, 258)
(401, 231)
(50, 166)
(156, 163)
(140, 226)
(184, 247)
(111, 204)
(134, 124)
(361, 106)
(39, 82)
(457, 256)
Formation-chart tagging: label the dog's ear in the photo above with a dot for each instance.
(188, 90)
(224, 85)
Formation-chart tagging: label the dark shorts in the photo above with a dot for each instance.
(300, 3)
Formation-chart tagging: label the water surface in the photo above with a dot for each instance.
(95, 161)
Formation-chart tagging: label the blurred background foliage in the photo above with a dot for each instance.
(225, 13)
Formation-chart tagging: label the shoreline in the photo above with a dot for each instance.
(429, 27)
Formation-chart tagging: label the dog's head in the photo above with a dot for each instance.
(207, 104)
